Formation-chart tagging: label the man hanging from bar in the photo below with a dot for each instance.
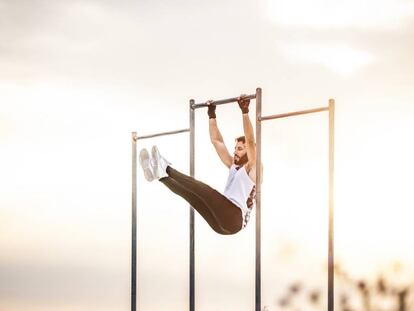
(226, 213)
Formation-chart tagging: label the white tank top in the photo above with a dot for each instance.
(240, 190)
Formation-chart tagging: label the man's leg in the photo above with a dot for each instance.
(228, 215)
(195, 202)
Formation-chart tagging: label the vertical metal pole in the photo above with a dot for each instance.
(134, 225)
(192, 258)
(331, 207)
(258, 195)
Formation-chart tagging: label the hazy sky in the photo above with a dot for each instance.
(77, 77)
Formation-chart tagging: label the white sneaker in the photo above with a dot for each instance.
(159, 164)
(145, 162)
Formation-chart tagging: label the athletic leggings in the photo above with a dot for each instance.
(220, 213)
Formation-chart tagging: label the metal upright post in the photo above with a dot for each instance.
(331, 207)
(192, 243)
(134, 225)
(258, 194)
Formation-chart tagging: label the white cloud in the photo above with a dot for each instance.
(341, 59)
(387, 14)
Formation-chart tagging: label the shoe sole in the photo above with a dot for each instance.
(144, 161)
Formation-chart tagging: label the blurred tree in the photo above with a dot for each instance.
(384, 293)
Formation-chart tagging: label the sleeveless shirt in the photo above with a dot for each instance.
(240, 190)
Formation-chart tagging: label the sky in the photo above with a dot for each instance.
(77, 77)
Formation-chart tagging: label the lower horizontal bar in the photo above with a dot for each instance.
(161, 134)
(290, 114)
(222, 101)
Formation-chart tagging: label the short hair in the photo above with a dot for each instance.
(242, 139)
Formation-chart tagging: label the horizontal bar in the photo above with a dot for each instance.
(223, 101)
(290, 114)
(161, 134)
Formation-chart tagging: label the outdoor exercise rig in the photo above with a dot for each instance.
(259, 118)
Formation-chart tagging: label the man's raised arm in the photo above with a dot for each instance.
(248, 132)
(216, 138)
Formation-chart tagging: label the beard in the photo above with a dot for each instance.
(241, 161)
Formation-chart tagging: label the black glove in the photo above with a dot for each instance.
(244, 104)
(211, 111)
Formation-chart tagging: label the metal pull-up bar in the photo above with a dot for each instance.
(291, 114)
(259, 119)
(222, 101)
(135, 138)
(191, 130)
(193, 107)
(161, 134)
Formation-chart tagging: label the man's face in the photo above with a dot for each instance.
(240, 153)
